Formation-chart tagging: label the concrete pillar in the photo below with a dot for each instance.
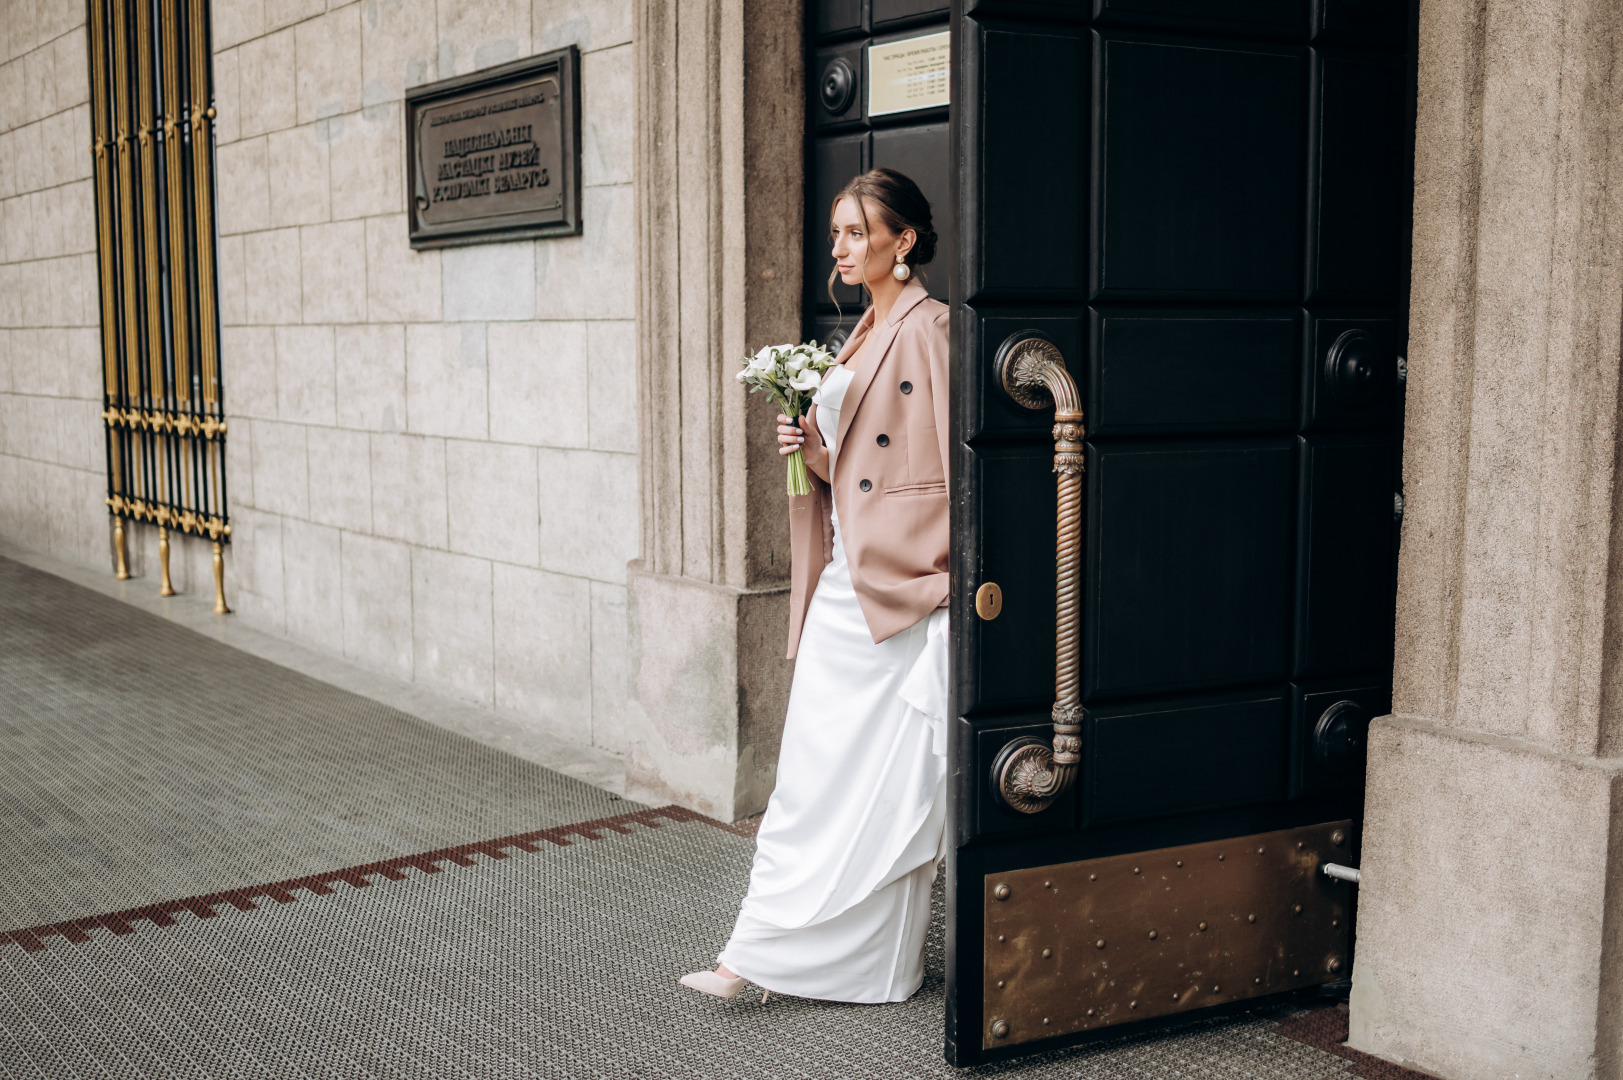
(1490, 925)
(721, 108)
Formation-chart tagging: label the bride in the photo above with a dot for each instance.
(839, 893)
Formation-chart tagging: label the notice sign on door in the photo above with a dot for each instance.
(908, 75)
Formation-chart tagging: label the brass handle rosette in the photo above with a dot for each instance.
(1029, 774)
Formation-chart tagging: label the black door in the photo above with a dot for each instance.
(1202, 207)
(859, 54)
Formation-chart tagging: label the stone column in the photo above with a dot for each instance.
(1490, 924)
(722, 103)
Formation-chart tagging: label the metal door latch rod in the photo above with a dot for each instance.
(1339, 872)
(1029, 773)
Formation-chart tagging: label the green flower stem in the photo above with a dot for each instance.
(799, 483)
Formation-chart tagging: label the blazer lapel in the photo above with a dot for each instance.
(880, 345)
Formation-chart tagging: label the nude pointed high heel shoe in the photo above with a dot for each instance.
(708, 982)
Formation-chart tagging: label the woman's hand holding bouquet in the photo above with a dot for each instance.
(791, 375)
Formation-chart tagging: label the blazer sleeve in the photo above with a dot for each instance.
(938, 348)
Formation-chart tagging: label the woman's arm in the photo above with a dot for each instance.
(804, 436)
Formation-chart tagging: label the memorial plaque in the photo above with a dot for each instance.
(495, 155)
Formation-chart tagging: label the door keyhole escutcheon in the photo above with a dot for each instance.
(1029, 774)
(989, 601)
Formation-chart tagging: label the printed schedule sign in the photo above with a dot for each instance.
(908, 75)
(494, 155)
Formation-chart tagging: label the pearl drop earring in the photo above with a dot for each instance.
(901, 272)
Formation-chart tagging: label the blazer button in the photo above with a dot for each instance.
(907, 388)
(866, 485)
(883, 440)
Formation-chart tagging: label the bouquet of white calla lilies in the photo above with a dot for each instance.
(790, 374)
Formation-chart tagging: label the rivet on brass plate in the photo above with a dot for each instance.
(1047, 953)
(1001, 892)
(1335, 922)
(1000, 1029)
(1220, 857)
(1132, 1004)
(1135, 869)
(989, 601)
(1296, 972)
(1296, 909)
(1338, 838)
(1048, 884)
(1300, 845)
(1153, 935)
(1099, 944)
(1000, 937)
(1045, 1021)
(1090, 1012)
(1180, 864)
(1216, 988)
(1203, 927)
(1334, 965)
(1250, 918)
(1000, 983)
(1093, 877)
(1261, 850)
(1257, 980)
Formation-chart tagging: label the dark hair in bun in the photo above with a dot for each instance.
(900, 205)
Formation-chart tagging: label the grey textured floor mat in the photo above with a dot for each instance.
(142, 762)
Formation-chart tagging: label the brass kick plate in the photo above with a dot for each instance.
(1085, 945)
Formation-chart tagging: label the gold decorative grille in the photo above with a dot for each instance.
(152, 116)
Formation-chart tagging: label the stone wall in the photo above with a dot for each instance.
(432, 455)
(52, 457)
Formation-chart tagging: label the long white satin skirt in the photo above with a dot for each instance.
(839, 894)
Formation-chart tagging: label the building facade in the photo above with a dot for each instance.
(520, 473)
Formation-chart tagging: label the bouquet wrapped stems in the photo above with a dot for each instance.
(790, 375)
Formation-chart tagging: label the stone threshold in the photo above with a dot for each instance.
(590, 764)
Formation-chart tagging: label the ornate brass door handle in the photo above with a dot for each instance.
(1029, 774)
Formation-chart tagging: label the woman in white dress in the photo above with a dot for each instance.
(839, 894)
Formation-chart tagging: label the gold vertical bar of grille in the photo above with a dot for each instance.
(101, 128)
(173, 119)
(126, 218)
(147, 118)
(203, 189)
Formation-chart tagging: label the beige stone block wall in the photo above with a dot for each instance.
(52, 461)
(432, 458)
(436, 449)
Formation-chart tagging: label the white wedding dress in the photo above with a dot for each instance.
(839, 894)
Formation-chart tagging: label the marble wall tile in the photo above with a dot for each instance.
(543, 649)
(611, 348)
(371, 376)
(590, 523)
(402, 285)
(446, 380)
(408, 489)
(233, 281)
(481, 35)
(312, 585)
(340, 478)
(244, 186)
(613, 674)
(305, 374)
(235, 21)
(280, 13)
(598, 25)
(329, 64)
(377, 603)
(281, 474)
(249, 361)
(272, 290)
(300, 193)
(367, 162)
(538, 383)
(491, 500)
(489, 282)
(227, 96)
(239, 461)
(332, 259)
(265, 68)
(608, 116)
(451, 623)
(592, 276)
(399, 48)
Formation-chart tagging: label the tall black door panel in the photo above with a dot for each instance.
(846, 136)
(1203, 207)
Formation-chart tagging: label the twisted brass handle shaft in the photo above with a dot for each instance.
(1030, 774)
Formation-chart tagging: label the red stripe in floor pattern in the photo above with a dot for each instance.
(77, 931)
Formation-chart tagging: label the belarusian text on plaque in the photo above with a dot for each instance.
(495, 155)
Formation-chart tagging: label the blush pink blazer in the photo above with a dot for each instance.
(889, 475)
